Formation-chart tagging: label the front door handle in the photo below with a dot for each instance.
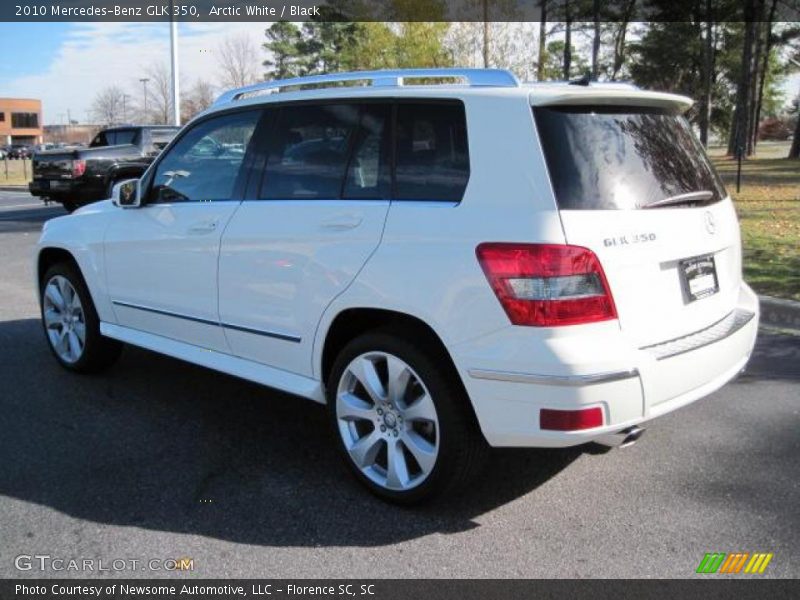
(203, 227)
(342, 222)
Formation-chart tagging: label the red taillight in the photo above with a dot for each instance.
(78, 168)
(570, 420)
(547, 284)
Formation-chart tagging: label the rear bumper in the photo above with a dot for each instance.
(596, 366)
(78, 191)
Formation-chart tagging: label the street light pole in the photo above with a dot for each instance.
(144, 81)
(173, 42)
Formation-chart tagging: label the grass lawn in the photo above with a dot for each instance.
(15, 172)
(769, 212)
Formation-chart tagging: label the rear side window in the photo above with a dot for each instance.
(308, 151)
(115, 138)
(125, 136)
(159, 138)
(99, 140)
(622, 157)
(432, 161)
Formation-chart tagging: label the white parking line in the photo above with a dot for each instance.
(29, 205)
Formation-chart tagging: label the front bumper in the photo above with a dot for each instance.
(599, 368)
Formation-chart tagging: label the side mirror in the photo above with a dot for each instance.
(127, 194)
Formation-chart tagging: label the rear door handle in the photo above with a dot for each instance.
(342, 222)
(203, 227)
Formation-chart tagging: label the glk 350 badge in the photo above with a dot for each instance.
(624, 240)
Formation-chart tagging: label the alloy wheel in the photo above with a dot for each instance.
(387, 421)
(64, 319)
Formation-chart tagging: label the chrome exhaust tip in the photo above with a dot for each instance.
(621, 439)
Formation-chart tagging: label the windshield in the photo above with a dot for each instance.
(605, 157)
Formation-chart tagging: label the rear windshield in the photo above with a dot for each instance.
(115, 137)
(603, 157)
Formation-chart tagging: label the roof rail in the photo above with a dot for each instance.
(396, 78)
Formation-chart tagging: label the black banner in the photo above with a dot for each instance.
(388, 10)
(427, 589)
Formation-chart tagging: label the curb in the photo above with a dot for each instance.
(13, 188)
(777, 312)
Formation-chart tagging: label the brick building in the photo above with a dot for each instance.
(20, 121)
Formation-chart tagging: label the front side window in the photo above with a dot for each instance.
(432, 152)
(308, 151)
(205, 163)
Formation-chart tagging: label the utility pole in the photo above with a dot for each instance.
(144, 81)
(173, 42)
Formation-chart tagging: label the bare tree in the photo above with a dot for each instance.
(620, 24)
(764, 72)
(238, 62)
(108, 105)
(709, 45)
(737, 140)
(159, 94)
(200, 97)
(542, 41)
(567, 63)
(595, 39)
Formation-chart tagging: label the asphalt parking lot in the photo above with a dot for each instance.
(160, 459)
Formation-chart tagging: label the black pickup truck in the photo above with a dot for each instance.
(78, 176)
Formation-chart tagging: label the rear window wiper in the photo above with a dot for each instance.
(698, 197)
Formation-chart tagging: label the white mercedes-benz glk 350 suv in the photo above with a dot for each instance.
(449, 259)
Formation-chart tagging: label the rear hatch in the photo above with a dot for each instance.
(634, 185)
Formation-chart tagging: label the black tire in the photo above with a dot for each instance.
(69, 205)
(462, 447)
(99, 352)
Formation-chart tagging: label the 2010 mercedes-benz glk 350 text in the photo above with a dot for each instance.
(448, 259)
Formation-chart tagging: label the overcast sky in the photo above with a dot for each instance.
(66, 64)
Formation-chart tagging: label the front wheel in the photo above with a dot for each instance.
(402, 420)
(71, 324)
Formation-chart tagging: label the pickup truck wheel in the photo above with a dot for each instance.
(71, 324)
(402, 422)
(69, 205)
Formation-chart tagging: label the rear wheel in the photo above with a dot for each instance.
(402, 422)
(71, 324)
(69, 205)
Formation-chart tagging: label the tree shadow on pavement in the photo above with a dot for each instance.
(165, 445)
